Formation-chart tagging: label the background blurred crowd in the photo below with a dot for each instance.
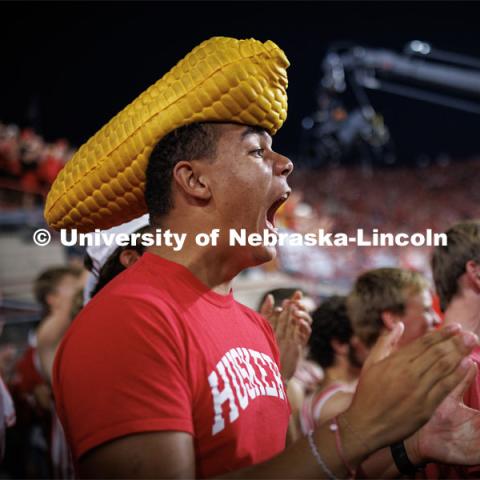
(392, 200)
(336, 199)
(28, 163)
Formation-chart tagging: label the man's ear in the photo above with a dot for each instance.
(128, 257)
(472, 269)
(389, 319)
(189, 178)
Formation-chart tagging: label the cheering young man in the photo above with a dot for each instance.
(163, 374)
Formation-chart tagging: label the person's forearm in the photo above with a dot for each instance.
(49, 336)
(379, 465)
(299, 461)
(53, 328)
(47, 357)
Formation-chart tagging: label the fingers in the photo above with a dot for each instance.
(297, 296)
(267, 306)
(419, 346)
(385, 344)
(461, 377)
(274, 320)
(464, 385)
(301, 315)
(290, 324)
(303, 333)
(279, 320)
(444, 356)
(290, 321)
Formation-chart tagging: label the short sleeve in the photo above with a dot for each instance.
(122, 370)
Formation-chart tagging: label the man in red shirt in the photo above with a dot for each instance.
(163, 374)
(456, 272)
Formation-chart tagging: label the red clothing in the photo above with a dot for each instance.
(472, 400)
(49, 169)
(27, 373)
(156, 350)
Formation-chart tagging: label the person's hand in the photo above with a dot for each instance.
(452, 435)
(398, 394)
(292, 327)
(386, 344)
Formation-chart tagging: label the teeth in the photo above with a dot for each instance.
(285, 196)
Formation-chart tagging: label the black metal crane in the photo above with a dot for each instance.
(421, 72)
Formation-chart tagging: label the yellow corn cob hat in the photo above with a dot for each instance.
(222, 79)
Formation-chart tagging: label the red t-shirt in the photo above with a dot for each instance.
(157, 350)
(472, 400)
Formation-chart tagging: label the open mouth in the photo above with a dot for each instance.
(270, 216)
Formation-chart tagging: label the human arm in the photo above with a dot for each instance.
(451, 436)
(296, 398)
(50, 333)
(171, 455)
(142, 455)
(453, 433)
(425, 372)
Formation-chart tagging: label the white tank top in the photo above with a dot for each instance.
(313, 404)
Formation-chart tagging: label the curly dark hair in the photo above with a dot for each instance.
(330, 321)
(190, 142)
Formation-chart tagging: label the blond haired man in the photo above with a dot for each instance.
(380, 300)
(456, 272)
(385, 296)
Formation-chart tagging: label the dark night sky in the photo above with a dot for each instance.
(79, 63)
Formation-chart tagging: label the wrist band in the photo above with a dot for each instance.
(403, 463)
(338, 442)
(318, 457)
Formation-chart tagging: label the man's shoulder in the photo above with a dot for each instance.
(136, 283)
(256, 318)
(254, 315)
(131, 299)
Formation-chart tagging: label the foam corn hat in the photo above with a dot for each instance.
(222, 79)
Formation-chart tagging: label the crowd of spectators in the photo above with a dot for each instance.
(393, 200)
(28, 163)
(336, 199)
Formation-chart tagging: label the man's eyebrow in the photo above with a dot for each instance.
(249, 130)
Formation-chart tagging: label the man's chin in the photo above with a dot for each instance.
(264, 254)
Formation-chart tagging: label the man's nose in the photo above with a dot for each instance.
(283, 165)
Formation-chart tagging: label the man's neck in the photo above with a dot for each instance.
(465, 310)
(207, 264)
